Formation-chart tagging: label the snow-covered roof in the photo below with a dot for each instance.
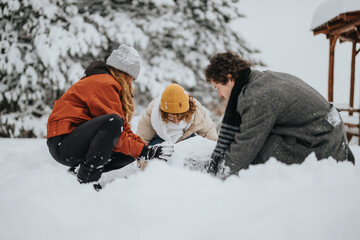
(331, 9)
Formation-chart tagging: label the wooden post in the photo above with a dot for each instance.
(333, 39)
(359, 100)
(352, 77)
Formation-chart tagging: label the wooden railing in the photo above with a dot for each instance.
(351, 118)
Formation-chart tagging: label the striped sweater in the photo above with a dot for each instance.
(282, 117)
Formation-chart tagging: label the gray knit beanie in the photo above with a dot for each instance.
(126, 59)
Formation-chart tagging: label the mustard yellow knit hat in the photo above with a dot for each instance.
(174, 99)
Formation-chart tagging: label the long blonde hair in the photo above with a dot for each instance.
(126, 95)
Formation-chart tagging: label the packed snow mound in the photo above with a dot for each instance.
(40, 200)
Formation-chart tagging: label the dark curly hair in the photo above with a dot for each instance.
(222, 64)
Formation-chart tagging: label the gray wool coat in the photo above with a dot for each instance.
(283, 117)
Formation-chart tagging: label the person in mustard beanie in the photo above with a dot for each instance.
(89, 127)
(173, 117)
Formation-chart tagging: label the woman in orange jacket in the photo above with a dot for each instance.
(89, 126)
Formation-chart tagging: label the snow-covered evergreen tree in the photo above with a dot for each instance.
(46, 44)
(42, 46)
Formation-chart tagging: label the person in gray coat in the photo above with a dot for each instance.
(270, 114)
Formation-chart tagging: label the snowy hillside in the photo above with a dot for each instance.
(40, 200)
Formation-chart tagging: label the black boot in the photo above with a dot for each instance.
(73, 171)
(97, 186)
(88, 174)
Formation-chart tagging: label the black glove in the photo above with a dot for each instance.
(160, 151)
(212, 166)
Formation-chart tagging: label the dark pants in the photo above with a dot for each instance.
(90, 146)
(156, 139)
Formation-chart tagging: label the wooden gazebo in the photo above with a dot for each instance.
(345, 27)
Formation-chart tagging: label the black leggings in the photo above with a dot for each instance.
(90, 146)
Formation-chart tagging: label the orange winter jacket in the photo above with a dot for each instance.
(91, 97)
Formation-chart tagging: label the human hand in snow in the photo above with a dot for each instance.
(212, 166)
(217, 167)
(160, 151)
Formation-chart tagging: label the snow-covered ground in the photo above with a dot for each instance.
(39, 199)
(316, 200)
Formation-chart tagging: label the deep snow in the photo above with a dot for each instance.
(40, 200)
(315, 200)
